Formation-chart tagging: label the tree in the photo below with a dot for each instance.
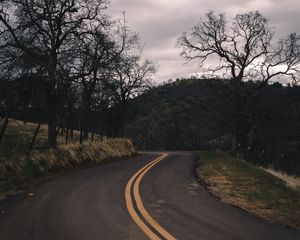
(41, 36)
(101, 51)
(129, 78)
(245, 49)
(96, 54)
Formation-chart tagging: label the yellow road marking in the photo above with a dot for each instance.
(139, 175)
(133, 213)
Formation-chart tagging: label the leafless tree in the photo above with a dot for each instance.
(130, 78)
(244, 46)
(102, 50)
(43, 35)
(241, 49)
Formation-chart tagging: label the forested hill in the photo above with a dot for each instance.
(178, 115)
(190, 113)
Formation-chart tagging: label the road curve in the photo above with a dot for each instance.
(93, 204)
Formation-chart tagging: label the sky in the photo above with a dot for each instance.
(160, 22)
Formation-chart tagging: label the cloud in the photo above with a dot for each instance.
(159, 23)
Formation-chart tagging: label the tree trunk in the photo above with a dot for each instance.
(67, 135)
(33, 140)
(52, 122)
(81, 136)
(234, 144)
(122, 119)
(52, 92)
(102, 132)
(92, 139)
(122, 130)
(86, 133)
(3, 129)
(236, 88)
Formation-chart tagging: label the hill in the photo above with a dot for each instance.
(181, 115)
(193, 114)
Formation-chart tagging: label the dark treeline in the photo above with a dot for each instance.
(193, 114)
(68, 64)
(272, 128)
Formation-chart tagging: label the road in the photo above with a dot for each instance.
(123, 200)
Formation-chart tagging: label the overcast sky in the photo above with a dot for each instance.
(160, 22)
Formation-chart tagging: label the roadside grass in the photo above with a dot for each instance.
(17, 139)
(240, 183)
(17, 170)
(19, 134)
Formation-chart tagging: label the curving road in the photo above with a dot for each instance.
(125, 200)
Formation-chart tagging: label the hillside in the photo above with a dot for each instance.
(195, 114)
(181, 115)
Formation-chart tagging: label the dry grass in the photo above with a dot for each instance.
(16, 169)
(76, 154)
(244, 185)
(18, 136)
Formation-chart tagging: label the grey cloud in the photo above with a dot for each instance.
(160, 22)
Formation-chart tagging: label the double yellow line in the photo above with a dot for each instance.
(134, 183)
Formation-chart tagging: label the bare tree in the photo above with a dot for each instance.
(241, 49)
(102, 48)
(130, 78)
(245, 48)
(43, 35)
(95, 56)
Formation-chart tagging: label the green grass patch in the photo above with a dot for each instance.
(243, 184)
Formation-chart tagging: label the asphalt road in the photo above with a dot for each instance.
(92, 204)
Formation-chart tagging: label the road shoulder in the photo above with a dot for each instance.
(244, 185)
